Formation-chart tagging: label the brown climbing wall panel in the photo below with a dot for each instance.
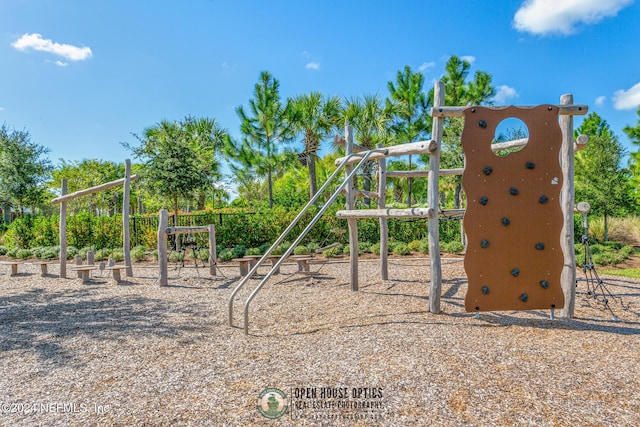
(514, 219)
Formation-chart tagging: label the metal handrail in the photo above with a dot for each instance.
(288, 229)
(309, 226)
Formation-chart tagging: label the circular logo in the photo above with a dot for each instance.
(272, 403)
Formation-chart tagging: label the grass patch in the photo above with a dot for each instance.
(632, 273)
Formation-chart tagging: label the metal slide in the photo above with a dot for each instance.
(365, 157)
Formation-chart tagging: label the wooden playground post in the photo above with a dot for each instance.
(63, 231)
(163, 223)
(351, 222)
(567, 196)
(384, 225)
(126, 241)
(433, 199)
(213, 255)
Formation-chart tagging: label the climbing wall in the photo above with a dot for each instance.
(513, 219)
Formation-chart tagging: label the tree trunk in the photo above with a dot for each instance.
(270, 189)
(366, 181)
(202, 201)
(311, 164)
(606, 227)
(457, 198)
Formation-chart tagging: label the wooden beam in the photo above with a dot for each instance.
(420, 147)
(163, 222)
(186, 230)
(563, 110)
(384, 225)
(80, 193)
(126, 236)
(567, 197)
(63, 232)
(352, 223)
(435, 288)
(386, 213)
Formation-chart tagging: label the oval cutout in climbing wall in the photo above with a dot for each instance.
(512, 134)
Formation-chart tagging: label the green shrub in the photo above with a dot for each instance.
(414, 245)
(364, 247)
(453, 247)
(626, 251)
(333, 252)
(301, 250)
(24, 253)
(263, 248)
(346, 250)
(117, 255)
(11, 253)
(401, 249)
(49, 253)
(313, 247)
(201, 254)
(72, 251)
(102, 254)
(226, 255)
(83, 252)
(281, 248)
(424, 246)
(253, 251)
(154, 254)
(3, 250)
(138, 253)
(375, 248)
(239, 251)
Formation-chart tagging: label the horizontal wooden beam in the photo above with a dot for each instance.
(91, 190)
(582, 207)
(420, 147)
(387, 213)
(186, 230)
(563, 110)
(452, 212)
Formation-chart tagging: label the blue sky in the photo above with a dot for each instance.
(81, 76)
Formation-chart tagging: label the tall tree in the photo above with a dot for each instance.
(315, 117)
(634, 135)
(207, 139)
(266, 128)
(171, 164)
(411, 118)
(600, 179)
(459, 91)
(24, 171)
(371, 118)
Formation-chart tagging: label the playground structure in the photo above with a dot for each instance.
(164, 231)
(560, 122)
(64, 198)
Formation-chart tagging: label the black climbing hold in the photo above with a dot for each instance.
(514, 191)
(544, 284)
(485, 290)
(487, 171)
(484, 200)
(515, 272)
(484, 243)
(544, 199)
(473, 110)
(505, 221)
(540, 246)
(482, 124)
(530, 165)
(524, 297)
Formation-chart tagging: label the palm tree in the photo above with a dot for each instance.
(315, 117)
(265, 128)
(411, 116)
(371, 119)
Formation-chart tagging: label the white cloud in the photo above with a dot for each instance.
(36, 42)
(600, 100)
(61, 63)
(312, 65)
(562, 16)
(504, 94)
(469, 58)
(627, 99)
(426, 65)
